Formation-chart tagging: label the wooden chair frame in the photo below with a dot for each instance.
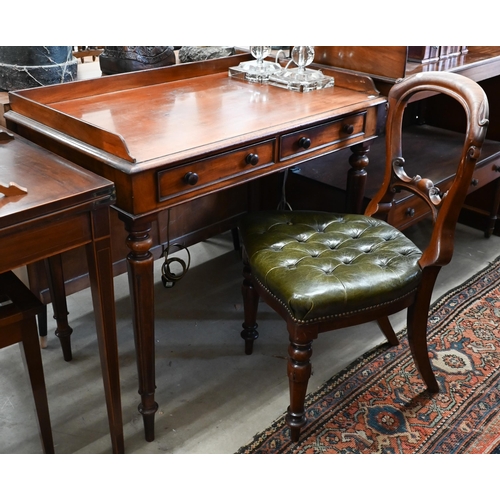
(18, 325)
(445, 208)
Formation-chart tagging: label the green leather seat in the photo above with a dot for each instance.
(312, 261)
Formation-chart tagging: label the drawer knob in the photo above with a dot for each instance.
(410, 212)
(348, 128)
(191, 178)
(496, 168)
(252, 159)
(474, 182)
(305, 142)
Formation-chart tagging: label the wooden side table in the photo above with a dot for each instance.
(59, 207)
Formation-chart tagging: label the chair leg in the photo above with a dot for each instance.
(33, 361)
(250, 306)
(418, 314)
(299, 372)
(386, 327)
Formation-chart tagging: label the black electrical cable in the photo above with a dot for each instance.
(168, 277)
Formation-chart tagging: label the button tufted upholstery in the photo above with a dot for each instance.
(312, 261)
(323, 271)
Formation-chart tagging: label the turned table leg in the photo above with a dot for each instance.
(58, 296)
(356, 178)
(250, 305)
(140, 274)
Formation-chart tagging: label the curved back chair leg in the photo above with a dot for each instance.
(386, 327)
(417, 328)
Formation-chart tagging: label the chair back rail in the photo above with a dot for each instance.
(445, 207)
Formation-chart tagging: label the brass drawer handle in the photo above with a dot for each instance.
(191, 178)
(252, 159)
(305, 142)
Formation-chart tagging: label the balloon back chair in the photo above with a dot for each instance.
(322, 271)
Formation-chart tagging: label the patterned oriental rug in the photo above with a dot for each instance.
(379, 403)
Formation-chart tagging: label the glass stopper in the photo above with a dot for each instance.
(260, 52)
(302, 55)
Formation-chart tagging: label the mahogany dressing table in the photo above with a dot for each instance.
(174, 137)
(61, 206)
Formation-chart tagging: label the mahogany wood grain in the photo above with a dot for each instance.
(218, 112)
(387, 62)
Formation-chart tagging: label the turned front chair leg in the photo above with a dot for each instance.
(250, 306)
(299, 372)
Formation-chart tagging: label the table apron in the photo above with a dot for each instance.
(25, 243)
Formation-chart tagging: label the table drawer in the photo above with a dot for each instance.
(200, 174)
(412, 209)
(322, 136)
(485, 174)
